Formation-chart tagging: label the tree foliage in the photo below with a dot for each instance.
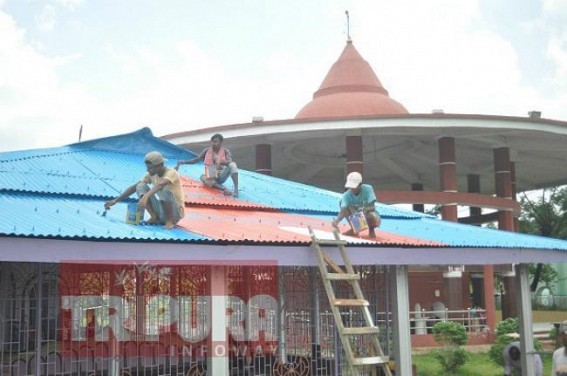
(546, 216)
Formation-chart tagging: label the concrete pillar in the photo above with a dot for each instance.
(514, 193)
(503, 185)
(525, 319)
(453, 290)
(448, 183)
(448, 175)
(503, 182)
(473, 185)
(489, 300)
(483, 289)
(217, 349)
(264, 159)
(354, 154)
(477, 289)
(418, 207)
(399, 288)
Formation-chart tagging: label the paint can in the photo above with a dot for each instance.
(133, 215)
(357, 222)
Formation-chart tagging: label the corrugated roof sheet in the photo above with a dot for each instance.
(281, 227)
(60, 192)
(33, 215)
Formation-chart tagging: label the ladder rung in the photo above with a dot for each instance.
(361, 330)
(342, 276)
(329, 242)
(371, 360)
(351, 302)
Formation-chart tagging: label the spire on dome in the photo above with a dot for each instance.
(348, 27)
(351, 88)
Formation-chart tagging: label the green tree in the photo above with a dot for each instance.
(546, 216)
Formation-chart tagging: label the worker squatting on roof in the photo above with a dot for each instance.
(358, 199)
(159, 192)
(218, 166)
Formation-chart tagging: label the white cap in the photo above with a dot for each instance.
(353, 180)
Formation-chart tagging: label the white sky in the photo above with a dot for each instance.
(115, 66)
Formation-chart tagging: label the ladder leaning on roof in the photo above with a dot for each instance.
(348, 334)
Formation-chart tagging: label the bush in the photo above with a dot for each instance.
(503, 329)
(451, 336)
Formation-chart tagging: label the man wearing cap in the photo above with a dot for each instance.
(218, 166)
(559, 360)
(513, 363)
(358, 197)
(164, 199)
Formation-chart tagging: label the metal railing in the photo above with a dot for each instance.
(473, 319)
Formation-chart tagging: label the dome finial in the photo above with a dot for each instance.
(348, 27)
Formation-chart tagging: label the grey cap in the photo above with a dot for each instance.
(154, 158)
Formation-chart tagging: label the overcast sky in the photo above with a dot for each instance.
(115, 66)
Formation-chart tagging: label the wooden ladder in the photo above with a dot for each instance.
(332, 272)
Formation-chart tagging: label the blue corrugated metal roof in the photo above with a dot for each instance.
(94, 169)
(32, 215)
(460, 235)
(60, 192)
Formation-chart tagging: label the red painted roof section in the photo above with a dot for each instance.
(212, 214)
(351, 88)
(197, 194)
(272, 227)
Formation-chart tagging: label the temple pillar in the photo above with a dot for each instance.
(453, 290)
(477, 290)
(264, 159)
(354, 154)
(483, 289)
(503, 182)
(514, 194)
(418, 207)
(217, 341)
(503, 185)
(489, 300)
(448, 175)
(473, 186)
(453, 281)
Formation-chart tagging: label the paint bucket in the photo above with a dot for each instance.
(133, 215)
(357, 222)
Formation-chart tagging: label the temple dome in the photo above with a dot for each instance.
(351, 88)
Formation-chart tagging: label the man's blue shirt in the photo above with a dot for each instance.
(365, 197)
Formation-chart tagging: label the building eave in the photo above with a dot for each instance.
(58, 251)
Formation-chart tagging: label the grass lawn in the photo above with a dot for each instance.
(479, 364)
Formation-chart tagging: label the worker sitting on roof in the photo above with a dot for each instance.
(218, 166)
(164, 200)
(359, 198)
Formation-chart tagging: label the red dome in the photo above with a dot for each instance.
(351, 88)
